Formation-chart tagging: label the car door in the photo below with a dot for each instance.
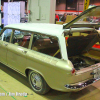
(4, 42)
(18, 49)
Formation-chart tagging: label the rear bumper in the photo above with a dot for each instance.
(81, 85)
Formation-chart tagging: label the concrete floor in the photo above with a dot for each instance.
(11, 81)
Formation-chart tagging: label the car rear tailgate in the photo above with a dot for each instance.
(90, 72)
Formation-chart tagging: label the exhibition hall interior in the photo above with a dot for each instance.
(49, 50)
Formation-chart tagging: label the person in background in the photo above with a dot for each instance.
(57, 17)
(63, 18)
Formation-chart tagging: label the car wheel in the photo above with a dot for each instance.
(38, 83)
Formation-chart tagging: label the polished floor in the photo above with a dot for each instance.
(12, 82)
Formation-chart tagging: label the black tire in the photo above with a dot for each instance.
(37, 82)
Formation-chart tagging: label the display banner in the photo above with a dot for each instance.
(71, 5)
(86, 4)
(10, 0)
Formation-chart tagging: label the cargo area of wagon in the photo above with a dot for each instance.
(80, 49)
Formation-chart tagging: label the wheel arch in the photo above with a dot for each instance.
(28, 69)
(45, 88)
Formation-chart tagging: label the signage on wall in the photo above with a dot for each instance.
(71, 4)
(86, 4)
(10, 0)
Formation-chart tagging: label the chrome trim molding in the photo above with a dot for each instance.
(81, 85)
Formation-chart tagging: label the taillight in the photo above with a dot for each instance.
(73, 71)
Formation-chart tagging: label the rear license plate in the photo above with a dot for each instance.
(97, 73)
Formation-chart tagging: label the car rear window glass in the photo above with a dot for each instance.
(46, 44)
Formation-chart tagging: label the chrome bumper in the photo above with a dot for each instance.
(81, 85)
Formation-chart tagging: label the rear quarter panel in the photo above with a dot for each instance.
(56, 72)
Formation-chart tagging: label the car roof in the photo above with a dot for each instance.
(44, 28)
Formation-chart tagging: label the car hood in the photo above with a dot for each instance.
(91, 12)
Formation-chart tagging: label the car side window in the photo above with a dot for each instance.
(21, 38)
(46, 44)
(5, 36)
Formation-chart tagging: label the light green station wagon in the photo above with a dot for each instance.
(54, 56)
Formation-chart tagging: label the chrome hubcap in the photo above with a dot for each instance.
(36, 81)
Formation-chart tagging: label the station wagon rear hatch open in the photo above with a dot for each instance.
(94, 11)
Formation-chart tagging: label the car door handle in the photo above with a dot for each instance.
(24, 52)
